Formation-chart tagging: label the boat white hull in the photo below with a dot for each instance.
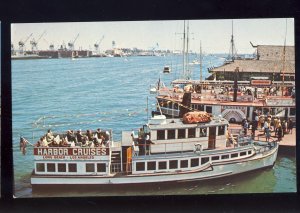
(209, 171)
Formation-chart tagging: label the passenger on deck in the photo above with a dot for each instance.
(89, 134)
(70, 136)
(290, 125)
(39, 142)
(79, 136)
(99, 133)
(49, 136)
(63, 143)
(85, 140)
(279, 132)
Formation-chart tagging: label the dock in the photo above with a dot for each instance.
(286, 146)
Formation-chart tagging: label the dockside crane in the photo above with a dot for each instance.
(51, 45)
(34, 43)
(71, 43)
(97, 44)
(22, 44)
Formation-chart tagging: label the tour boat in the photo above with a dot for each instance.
(163, 151)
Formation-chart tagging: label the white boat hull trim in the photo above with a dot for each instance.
(209, 170)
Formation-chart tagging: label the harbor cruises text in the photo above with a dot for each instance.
(71, 152)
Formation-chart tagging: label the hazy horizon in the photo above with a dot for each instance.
(215, 35)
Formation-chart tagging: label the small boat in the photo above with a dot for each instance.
(166, 69)
(163, 151)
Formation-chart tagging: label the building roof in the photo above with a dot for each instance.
(270, 66)
(273, 52)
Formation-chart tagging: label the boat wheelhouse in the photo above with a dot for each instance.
(163, 151)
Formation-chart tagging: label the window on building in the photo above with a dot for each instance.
(215, 158)
(171, 134)
(181, 133)
(101, 167)
(221, 130)
(192, 133)
(61, 167)
(162, 165)
(194, 162)
(72, 167)
(235, 155)
(151, 165)
(50, 167)
(203, 132)
(209, 109)
(160, 134)
(184, 163)
(173, 164)
(40, 167)
(90, 167)
(204, 160)
(140, 166)
(242, 153)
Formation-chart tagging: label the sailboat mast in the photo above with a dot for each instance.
(232, 44)
(187, 52)
(183, 48)
(200, 62)
(284, 50)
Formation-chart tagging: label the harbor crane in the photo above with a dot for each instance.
(51, 46)
(22, 44)
(34, 42)
(71, 43)
(96, 45)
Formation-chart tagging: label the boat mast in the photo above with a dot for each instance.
(284, 50)
(200, 63)
(232, 42)
(188, 76)
(183, 49)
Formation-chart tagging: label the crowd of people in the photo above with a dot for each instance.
(278, 126)
(98, 138)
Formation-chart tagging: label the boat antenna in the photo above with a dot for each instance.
(147, 108)
(201, 67)
(284, 50)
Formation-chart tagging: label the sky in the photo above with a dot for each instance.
(214, 35)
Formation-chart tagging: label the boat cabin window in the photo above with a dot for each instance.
(184, 163)
(192, 133)
(181, 133)
(171, 134)
(90, 167)
(160, 134)
(194, 162)
(249, 152)
(162, 165)
(221, 130)
(215, 158)
(151, 165)
(203, 132)
(204, 160)
(50, 167)
(101, 167)
(72, 167)
(146, 129)
(40, 167)
(61, 167)
(292, 111)
(209, 109)
(140, 166)
(201, 107)
(235, 155)
(173, 164)
(242, 153)
(224, 157)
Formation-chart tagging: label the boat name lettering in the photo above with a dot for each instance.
(47, 152)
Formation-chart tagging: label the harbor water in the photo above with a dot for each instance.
(112, 93)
